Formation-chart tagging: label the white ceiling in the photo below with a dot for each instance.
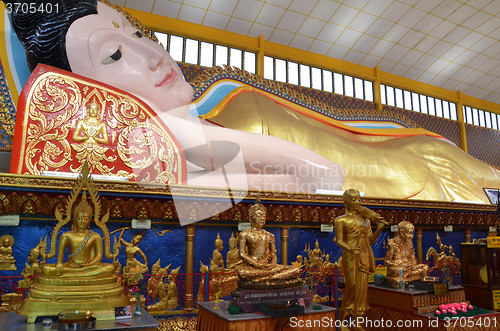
(453, 44)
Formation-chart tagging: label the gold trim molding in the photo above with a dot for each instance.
(40, 196)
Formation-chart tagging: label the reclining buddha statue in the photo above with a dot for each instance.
(83, 282)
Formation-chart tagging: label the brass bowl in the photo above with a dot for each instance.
(75, 316)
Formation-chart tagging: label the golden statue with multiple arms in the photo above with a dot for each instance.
(401, 256)
(260, 268)
(83, 282)
(354, 235)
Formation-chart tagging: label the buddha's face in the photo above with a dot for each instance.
(106, 47)
(93, 110)
(232, 244)
(6, 242)
(353, 202)
(219, 246)
(258, 218)
(407, 232)
(82, 220)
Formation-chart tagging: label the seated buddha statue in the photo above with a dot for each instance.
(85, 249)
(7, 261)
(258, 252)
(401, 256)
(83, 281)
(233, 259)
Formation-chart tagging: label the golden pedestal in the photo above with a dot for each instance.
(50, 296)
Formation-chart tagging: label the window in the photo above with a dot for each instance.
(393, 96)
(481, 118)
(206, 54)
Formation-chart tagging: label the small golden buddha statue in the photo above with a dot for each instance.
(233, 259)
(217, 261)
(91, 129)
(7, 261)
(83, 282)
(401, 256)
(257, 247)
(315, 255)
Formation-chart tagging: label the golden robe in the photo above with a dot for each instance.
(400, 166)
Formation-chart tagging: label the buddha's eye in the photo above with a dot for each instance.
(115, 57)
(138, 34)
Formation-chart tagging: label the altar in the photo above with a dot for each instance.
(210, 319)
(14, 322)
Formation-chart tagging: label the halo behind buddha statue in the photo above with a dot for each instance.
(83, 282)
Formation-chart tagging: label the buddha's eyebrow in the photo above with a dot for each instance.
(137, 34)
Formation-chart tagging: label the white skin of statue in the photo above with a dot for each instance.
(147, 71)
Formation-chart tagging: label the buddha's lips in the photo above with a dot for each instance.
(169, 79)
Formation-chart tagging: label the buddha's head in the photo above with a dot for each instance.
(219, 243)
(352, 199)
(232, 242)
(83, 213)
(93, 109)
(406, 230)
(93, 39)
(6, 242)
(257, 214)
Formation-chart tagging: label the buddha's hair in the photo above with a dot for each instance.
(257, 206)
(43, 34)
(83, 207)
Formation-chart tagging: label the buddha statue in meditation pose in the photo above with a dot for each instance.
(7, 261)
(233, 259)
(401, 255)
(260, 267)
(83, 281)
(85, 249)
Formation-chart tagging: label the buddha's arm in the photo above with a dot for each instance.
(63, 243)
(104, 132)
(389, 256)
(243, 252)
(372, 239)
(98, 251)
(339, 237)
(272, 243)
(80, 129)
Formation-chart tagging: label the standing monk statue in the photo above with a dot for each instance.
(354, 235)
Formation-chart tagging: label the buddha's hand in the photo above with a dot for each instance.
(59, 269)
(354, 250)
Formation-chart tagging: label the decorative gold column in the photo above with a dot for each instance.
(467, 235)
(284, 244)
(189, 267)
(419, 245)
